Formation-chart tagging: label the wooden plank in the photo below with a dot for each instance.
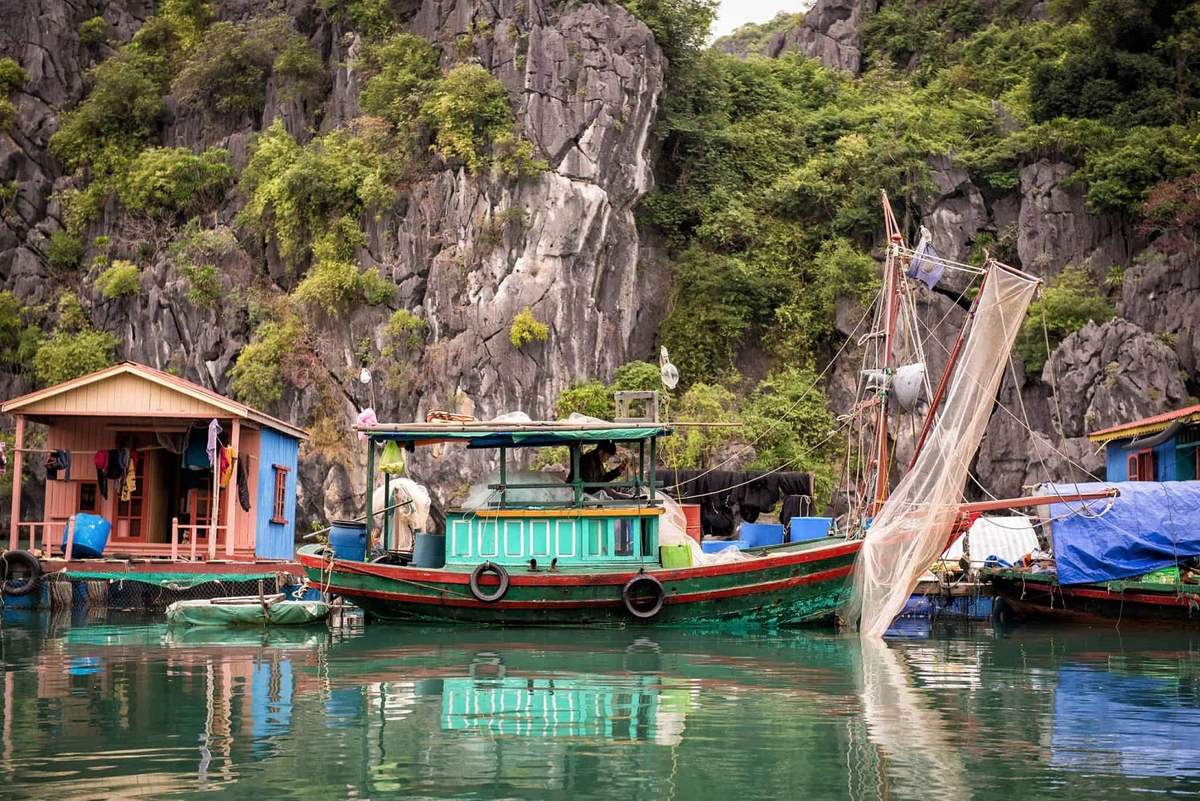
(18, 469)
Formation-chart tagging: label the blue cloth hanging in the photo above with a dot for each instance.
(926, 265)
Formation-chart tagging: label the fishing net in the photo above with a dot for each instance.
(155, 592)
(914, 525)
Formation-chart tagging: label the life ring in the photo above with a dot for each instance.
(497, 571)
(27, 569)
(640, 589)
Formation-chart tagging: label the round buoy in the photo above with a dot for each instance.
(482, 570)
(22, 572)
(643, 596)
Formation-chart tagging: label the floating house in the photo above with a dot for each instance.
(1165, 447)
(131, 444)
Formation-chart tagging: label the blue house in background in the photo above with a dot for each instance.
(1165, 447)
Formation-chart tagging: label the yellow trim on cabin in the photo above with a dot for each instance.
(1137, 431)
(613, 511)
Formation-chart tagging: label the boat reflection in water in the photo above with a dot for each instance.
(141, 711)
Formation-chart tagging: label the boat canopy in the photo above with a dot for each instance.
(512, 435)
(1149, 526)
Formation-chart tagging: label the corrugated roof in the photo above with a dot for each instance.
(173, 382)
(1147, 425)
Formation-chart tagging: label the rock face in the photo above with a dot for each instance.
(466, 253)
(1111, 373)
(1054, 227)
(829, 32)
(1162, 295)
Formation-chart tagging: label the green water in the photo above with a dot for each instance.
(135, 710)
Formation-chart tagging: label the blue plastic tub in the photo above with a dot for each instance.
(809, 528)
(760, 534)
(429, 550)
(348, 540)
(91, 536)
(714, 546)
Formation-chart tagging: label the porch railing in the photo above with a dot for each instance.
(46, 532)
(192, 533)
(45, 537)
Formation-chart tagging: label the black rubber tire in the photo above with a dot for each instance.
(640, 584)
(499, 572)
(1002, 613)
(32, 569)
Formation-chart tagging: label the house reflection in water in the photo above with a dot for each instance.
(178, 706)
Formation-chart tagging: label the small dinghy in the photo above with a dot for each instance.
(270, 610)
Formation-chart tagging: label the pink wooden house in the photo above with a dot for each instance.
(172, 511)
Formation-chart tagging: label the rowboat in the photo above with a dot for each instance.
(271, 610)
(541, 553)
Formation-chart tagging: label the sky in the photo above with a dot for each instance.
(733, 13)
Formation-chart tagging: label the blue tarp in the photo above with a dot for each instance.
(1151, 525)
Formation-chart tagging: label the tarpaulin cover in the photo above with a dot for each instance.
(1151, 525)
(282, 613)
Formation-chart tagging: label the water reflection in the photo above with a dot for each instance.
(133, 709)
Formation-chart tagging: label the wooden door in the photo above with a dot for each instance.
(130, 517)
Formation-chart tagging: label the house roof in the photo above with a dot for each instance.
(203, 400)
(1147, 425)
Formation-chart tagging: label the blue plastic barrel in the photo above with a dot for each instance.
(760, 534)
(348, 540)
(91, 536)
(429, 550)
(809, 528)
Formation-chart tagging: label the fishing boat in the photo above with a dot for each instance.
(1126, 560)
(585, 559)
(534, 552)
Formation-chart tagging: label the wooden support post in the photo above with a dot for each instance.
(214, 512)
(371, 491)
(195, 530)
(503, 474)
(18, 465)
(653, 467)
(174, 539)
(576, 478)
(389, 514)
(70, 539)
(235, 442)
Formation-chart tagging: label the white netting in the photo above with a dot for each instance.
(672, 530)
(410, 514)
(914, 524)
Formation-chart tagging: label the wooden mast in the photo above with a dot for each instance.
(891, 311)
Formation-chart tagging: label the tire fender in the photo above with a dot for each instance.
(477, 590)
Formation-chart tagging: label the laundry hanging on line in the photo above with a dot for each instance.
(57, 461)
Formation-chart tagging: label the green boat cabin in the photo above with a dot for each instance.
(574, 530)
